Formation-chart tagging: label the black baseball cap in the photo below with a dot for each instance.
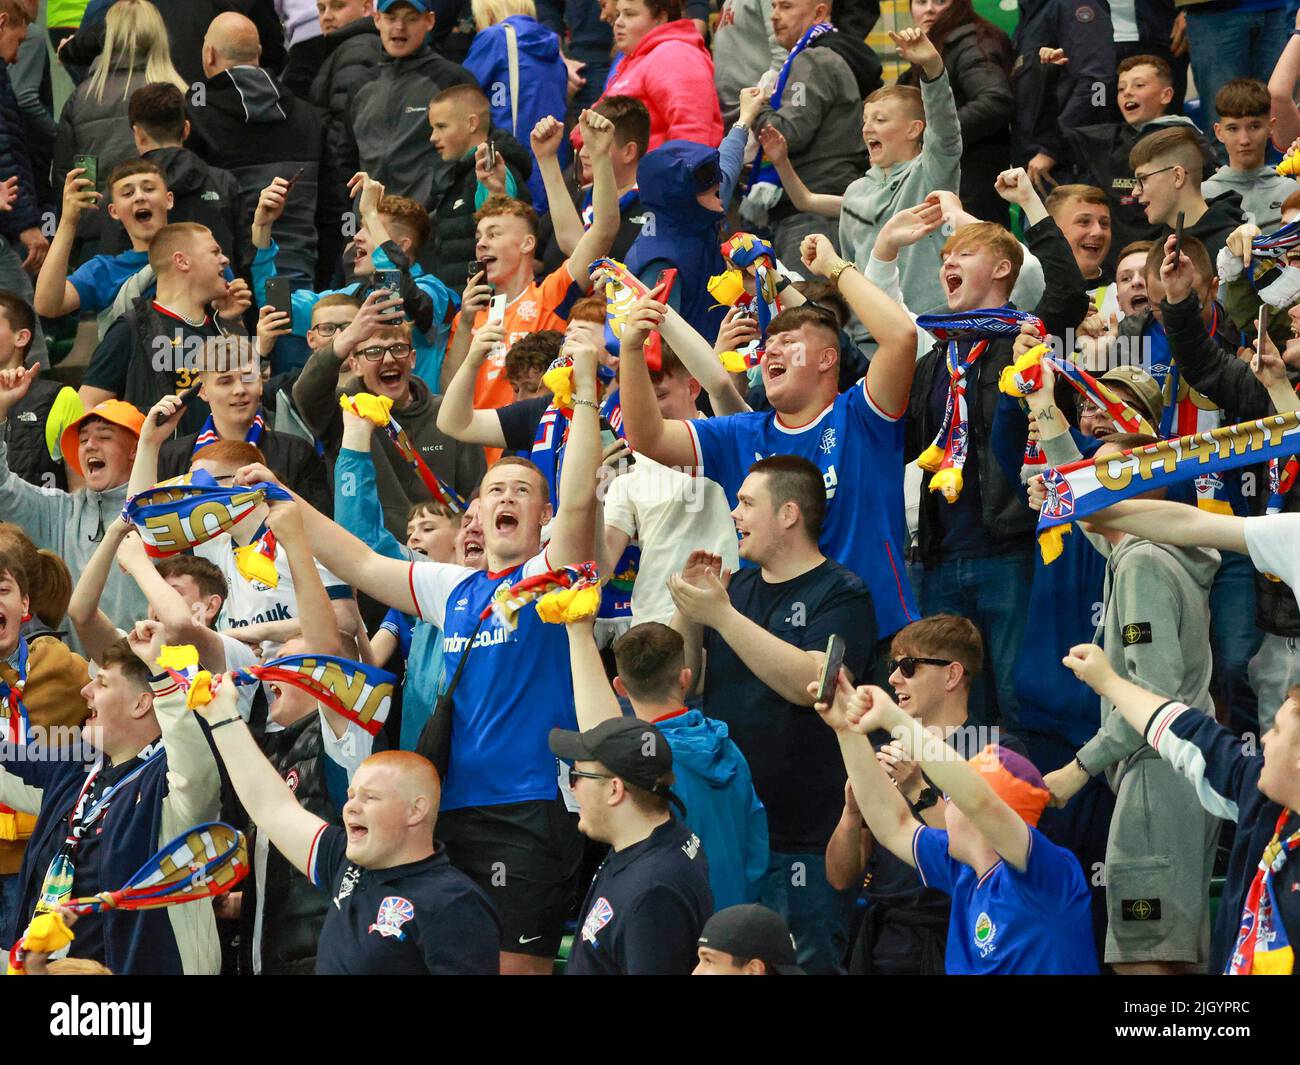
(752, 931)
(631, 749)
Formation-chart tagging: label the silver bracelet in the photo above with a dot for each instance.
(586, 403)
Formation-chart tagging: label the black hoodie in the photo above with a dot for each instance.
(244, 120)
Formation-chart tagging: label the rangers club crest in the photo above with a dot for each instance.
(600, 914)
(394, 912)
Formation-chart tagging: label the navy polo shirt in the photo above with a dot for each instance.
(421, 918)
(646, 908)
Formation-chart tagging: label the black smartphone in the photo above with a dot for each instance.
(1178, 238)
(294, 180)
(491, 155)
(185, 397)
(279, 294)
(90, 164)
(608, 436)
(1261, 331)
(475, 268)
(830, 668)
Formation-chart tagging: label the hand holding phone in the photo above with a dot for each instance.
(830, 668)
(186, 397)
(497, 310)
(1178, 239)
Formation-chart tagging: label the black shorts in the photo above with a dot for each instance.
(526, 856)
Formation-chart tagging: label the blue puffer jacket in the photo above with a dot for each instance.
(722, 807)
(15, 160)
(684, 234)
(543, 84)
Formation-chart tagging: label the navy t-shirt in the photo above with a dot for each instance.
(421, 918)
(961, 524)
(1011, 922)
(794, 758)
(645, 909)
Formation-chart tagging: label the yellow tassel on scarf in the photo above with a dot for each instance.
(1021, 377)
(200, 693)
(1290, 166)
(559, 379)
(1051, 543)
(727, 287)
(254, 566)
(47, 933)
(179, 657)
(931, 459)
(377, 409)
(15, 825)
(569, 604)
(949, 482)
(733, 362)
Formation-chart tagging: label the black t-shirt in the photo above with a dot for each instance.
(422, 918)
(794, 757)
(112, 360)
(519, 423)
(645, 909)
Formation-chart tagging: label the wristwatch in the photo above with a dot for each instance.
(833, 278)
(928, 797)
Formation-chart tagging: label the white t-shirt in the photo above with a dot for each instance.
(668, 514)
(1273, 541)
(240, 656)
(247, 604)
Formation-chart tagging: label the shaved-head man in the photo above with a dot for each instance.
(231, 41)
(398, 907)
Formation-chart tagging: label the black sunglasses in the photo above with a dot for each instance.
(907, 664)
(575, 774)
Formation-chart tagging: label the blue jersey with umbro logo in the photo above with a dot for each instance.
(859, 449)
(515, 688)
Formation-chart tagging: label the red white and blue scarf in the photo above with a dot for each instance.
(209, 435)
(1263, 948)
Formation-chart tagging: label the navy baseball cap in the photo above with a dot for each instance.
(419, 5)
(752, 931)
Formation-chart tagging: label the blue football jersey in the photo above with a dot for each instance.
(515, 688)
(859, 450)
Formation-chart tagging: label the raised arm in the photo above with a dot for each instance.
(598, 137)
(93, 626)
(144, 470)
(546, 138)
(1174, 523)
(667, 442)
(593, 698)
(889, 377)
(269, 802)
(457, 416)
(574, 527)
(699, 358)
(883, 808)
(1281, 89)
(475, 298)
(777, 152)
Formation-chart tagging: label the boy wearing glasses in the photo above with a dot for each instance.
(1167, 168)
(379, 351)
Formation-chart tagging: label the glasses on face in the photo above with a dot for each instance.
(576, 774)
(1140, 180)
(328, 329)
(397, 351)
(907, 664)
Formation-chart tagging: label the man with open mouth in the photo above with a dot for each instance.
(502, 794)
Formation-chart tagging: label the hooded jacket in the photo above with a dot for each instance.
(981, 88)
(880, 193)
(823, 125)
(72, 524)
(1262, 192)
(722, 807)
(543, 84)
(671, 72)
(453, 232)
(1215, 226)
(388, 124)
(460, 465)
(246, 121)
(204, 194)
(1099, 156)
(685, 234)
(1157, 627)
(98, 127)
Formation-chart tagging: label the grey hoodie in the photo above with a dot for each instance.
(879, 194)
(743, 51)
(72, 524)
(1262, 191)
(1157, 631)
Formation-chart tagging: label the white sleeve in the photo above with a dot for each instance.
(1030, 284)
(431, 584)
(329, 579)
(535, 565)
(620, 511)
(240, 655)
(349, 750)
(885, 276)
(1273, 541)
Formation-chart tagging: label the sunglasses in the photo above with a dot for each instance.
(576, 774)
(907, 664)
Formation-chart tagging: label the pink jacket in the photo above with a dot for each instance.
(671, 72)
